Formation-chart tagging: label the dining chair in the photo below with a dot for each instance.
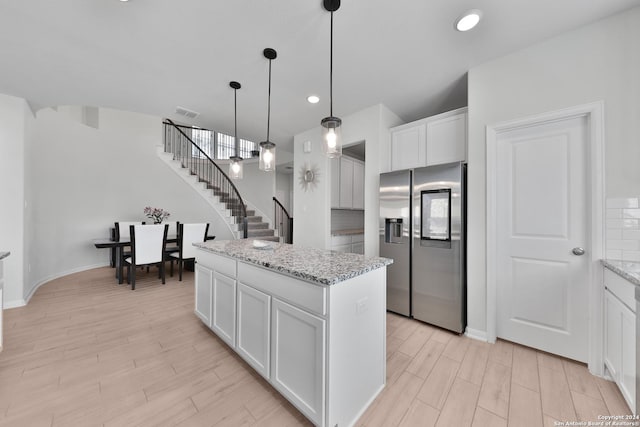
(174, 231)
(121, 232)
(122, 229)
(188, 234)
(148, 243)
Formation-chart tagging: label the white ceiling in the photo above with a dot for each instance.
(153, 55)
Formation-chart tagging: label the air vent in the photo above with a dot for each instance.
(187, 113)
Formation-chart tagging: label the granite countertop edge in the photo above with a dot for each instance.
(3, 255)
(626, 269)
(357, 265)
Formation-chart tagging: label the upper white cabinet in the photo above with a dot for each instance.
(347, 183)
(620, 334)
(431, 141)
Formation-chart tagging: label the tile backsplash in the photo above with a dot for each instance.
(623, 228)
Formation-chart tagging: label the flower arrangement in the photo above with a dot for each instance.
(158, 215)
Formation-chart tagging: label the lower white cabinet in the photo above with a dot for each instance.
(254, 320)
(203, 283)
(322, 347)
(223, 317)
(298, 358)
(620, 337)
(348, 243)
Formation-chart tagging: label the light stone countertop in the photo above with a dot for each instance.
(3, 255)
(315, 265)
(347, 232)
(627, 269)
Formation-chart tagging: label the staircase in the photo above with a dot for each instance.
(190, 162)
(257, 229)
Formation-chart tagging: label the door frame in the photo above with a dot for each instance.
(594, 113)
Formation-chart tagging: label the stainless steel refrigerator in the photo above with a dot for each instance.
(422, 228)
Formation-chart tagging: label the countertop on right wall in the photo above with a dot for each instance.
(629, 270)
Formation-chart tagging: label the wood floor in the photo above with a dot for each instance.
(87, 352)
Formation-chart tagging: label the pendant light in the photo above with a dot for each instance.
(268, 148)
(235, 166)
(331, 130)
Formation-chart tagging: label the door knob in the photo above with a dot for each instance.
(578, 251)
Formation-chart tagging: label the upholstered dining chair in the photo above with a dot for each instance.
(121, 232)
(188, 234)
(148, 243)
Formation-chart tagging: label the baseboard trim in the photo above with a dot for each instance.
(476, 334)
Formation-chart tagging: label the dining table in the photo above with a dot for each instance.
(117, 249)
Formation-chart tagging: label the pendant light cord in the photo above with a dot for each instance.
(269, 104)
(235, 119)
(331, 71)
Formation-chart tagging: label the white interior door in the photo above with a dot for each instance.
(542, 217)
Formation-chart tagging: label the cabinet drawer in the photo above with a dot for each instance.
(219, 263)
(621, 288)
(306, 295)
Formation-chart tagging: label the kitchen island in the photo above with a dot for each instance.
(312, 322)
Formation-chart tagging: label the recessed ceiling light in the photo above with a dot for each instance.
(313, 99)
(469, 20)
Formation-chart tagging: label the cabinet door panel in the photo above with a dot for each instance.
(224, 308)
(446, 140)
(335, 182)
(408, 147)
(254, 320)
(346, 183)
(298, 358)
(358, 185)
(628, 356)
(612, 335)
(203, 283)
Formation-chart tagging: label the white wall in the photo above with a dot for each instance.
(284, 189)
(600, 61)
(312, 208)
(14, 128)
(79, 180)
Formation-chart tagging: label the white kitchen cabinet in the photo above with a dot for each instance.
(620, 334)
(408, 146)
(347, 183)
(358, 185)
(298, 358)
(335, 182)
(321, 346)
(447, 139)
(203, 284)
(254, 320)
(431, 141)
(353, 243)
(223, 316)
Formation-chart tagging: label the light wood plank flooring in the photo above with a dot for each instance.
(87, 352)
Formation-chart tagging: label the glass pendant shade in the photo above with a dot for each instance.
(332, 136)
(267, 156)
(235, 167)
